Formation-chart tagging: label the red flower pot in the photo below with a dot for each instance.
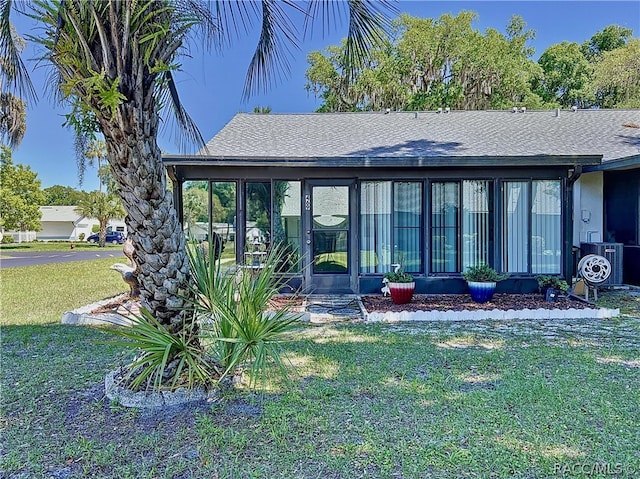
(401, 293)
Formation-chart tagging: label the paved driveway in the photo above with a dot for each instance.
(12, 259)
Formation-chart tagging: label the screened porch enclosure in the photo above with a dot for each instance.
(345, 234)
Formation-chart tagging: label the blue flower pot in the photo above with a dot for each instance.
(481, 292)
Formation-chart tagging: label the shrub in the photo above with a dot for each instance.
(227, 327)
(546, 281)
(165, 360)
(483, 273)
(7, 239)
(399, 276)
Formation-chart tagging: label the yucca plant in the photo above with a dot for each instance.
(165, 360)
(233, 308)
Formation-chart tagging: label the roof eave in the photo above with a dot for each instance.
(628, 163)
(391, 161)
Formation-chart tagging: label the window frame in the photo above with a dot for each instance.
(491, 222)
(392, 223)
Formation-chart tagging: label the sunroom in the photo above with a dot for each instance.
(349, 196)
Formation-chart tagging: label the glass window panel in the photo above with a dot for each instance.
(257, 222)
(515, 230)
(287, 221)
(330, 207)
(375, 227)
(195, 210)
(407, 204)
(476, 215)
(330, 250)
(223, 225)
(444, 226)
(546, 227)
(408, 249)
(407, 210)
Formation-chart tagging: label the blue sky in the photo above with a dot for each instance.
(211, 84)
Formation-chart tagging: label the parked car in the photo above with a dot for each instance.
(113, 237)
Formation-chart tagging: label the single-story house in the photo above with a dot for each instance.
(352, 194)
(63, 223)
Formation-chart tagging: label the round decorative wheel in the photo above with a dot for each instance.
(594, 268)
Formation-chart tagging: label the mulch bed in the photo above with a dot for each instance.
(462, 302)
(419, 302)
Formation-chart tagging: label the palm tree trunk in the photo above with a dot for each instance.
(151, 220)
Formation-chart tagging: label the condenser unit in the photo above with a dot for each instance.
(613, 253)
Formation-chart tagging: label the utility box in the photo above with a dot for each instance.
(613, 252)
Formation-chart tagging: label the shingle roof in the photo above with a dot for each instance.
(60, 213)
(429, 134)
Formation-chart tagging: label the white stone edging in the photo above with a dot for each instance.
(84, 316)
(493, 314)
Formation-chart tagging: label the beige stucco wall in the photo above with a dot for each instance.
(588, 209)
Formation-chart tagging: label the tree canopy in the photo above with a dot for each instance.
(20, 195)
(58, 195)
(436, 63)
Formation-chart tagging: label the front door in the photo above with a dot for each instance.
(329, 243)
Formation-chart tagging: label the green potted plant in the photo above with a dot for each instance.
(551, 286)
(401, 285)
(482, 280)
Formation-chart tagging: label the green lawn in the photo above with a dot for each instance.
(40, 294)
(412, 400)
(38, 246)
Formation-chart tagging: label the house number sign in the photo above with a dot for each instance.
(307, 202)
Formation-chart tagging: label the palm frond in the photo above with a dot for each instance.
(187, 132)
(157, 348)
(368, 23)
(14, 76)
(233, 19)
(270, 60)
(233, 308)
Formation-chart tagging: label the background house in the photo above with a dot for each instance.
(65, 223)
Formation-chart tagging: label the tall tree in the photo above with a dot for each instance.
(566, 75)
(115, 62)
(616, 78)
(432, 63)
(610, 38)
(20, 195)
(58, 195)
(103, 207)
(96, 152)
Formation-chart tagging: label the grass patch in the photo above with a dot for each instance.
(40, 294)
(627, 301)
(38, 246)
(415, 400)
(445, 400)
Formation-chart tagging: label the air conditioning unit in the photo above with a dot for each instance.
(613, 253)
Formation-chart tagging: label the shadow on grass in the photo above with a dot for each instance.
(393, 404)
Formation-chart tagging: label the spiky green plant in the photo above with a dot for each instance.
(165, 359)
(234, 310)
